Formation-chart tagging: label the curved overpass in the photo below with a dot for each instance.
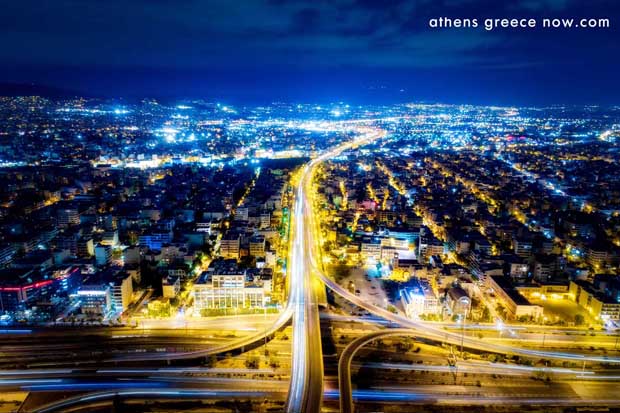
(106, 397)
(429, 331)
(344, 363)
(280, 322)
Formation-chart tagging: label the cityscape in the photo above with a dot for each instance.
(295, 257)
(302, 206)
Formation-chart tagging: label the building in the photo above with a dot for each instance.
(155, 238)
(265, 220)
(601, 256)
(122, 291)
(23, 288)
(67, 217)
(545, 267)
(110, 290)
(429, 245)
(458, 301)
(204, 227)
(85, 247)
(242, 214)
(174, 252)
(131, 255)
(371, 250)
(600, 306)
(94, 300)
(230, 246)
(110, 238)
(513, 302)
(517, 269)
(103, 255)
(522, 247)
(7, 252)
(257, 246)
(223, 285)
(418, 298)
(171, 286)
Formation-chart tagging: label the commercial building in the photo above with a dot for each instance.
(599, 305)
(21, 289)
(418, 298)
(94, 300)
(513, 302)
(106, 291)
(103, 255)
(230, 246)
(224, 285)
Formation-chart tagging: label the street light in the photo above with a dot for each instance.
(500, 326)
(544, 331)
(266, 300)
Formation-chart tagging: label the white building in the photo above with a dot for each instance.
(226, 291)
(418, 298)
(94, 299)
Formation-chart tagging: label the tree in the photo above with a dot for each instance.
(274, 363)
(211, 361)
(579, 320)
(341, 271)
(252, 362)
(405, 345)
(486, 314)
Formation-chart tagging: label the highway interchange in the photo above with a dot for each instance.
(307, 388)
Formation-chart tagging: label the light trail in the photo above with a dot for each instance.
(429, 331)
(306, 386)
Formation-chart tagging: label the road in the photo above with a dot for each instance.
(260, 335)
(344, 364)
(427, 330)
(347, 355)
(306, 387)
(105, 398)
(66, 346)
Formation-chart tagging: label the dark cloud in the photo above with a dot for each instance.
(378, 39)
(305, 20)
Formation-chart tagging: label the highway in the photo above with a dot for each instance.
(105, 398)
(306, 387)
(344, 364)
(349, 352)
(427, 330)
(283, 318)
(72, 346)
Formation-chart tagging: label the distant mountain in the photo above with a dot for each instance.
(33, 89)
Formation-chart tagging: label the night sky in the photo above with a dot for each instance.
(311, 50)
